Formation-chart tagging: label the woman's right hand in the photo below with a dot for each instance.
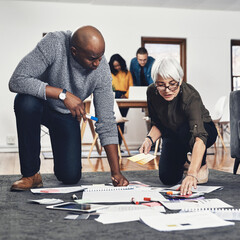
(146, 146)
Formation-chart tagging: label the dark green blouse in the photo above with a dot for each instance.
(187, 106)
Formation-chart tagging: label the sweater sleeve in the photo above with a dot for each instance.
(26, 78)
(106, 126)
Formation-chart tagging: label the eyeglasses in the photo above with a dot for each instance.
(171, 87)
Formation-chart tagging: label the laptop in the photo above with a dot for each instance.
(138, 93)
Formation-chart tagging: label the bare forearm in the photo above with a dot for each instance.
(154, 133)
(197, 155)
(53, 92)
(112, 156)
(148, 142)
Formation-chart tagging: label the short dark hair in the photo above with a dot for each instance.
(122, 62)
(142, 50)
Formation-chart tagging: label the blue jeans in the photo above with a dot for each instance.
(65, 135)
(175, 146)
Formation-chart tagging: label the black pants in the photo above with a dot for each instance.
(175, 146)
(65, 137)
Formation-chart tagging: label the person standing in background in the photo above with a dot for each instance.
(141, 67)
(121, 81)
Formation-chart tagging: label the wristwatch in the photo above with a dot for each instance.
(62, 96)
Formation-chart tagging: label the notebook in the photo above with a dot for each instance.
(119, 194)
(226, 214)
(195, 204)
(138, 93)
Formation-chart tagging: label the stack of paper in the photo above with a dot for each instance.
(142, 158)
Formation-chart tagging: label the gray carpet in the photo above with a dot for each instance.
(22, 220)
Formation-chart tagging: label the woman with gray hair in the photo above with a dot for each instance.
(179, 117)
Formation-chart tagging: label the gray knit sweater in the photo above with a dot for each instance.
(51, 63)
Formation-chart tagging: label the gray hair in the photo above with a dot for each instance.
(167, 67)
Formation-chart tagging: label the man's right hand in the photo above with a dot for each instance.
(76, 106)
(72, 102)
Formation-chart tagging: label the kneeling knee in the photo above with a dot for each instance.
(70, 179)
(167, 179)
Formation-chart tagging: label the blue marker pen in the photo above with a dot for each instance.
(91, 117)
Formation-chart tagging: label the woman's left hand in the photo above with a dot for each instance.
(188, 182)
(146, 146)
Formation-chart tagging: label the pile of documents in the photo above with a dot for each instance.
(140, 202)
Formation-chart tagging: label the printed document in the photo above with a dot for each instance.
(184, 221)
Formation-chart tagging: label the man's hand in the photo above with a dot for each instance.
(112, 154)
(72, 102)
(119, 180)
(76, 106)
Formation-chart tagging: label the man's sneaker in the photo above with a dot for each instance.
(26, 183)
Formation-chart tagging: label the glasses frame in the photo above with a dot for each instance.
(171, 88)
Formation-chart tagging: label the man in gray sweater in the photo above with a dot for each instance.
(52, 81)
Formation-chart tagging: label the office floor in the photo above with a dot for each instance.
(219, 160)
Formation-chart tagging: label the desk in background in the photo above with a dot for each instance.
(130, 103)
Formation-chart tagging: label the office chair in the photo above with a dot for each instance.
(234, 105)
(119, 119)
(216, 116)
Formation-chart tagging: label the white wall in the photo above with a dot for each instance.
(208, 35)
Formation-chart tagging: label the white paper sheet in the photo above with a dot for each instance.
(57, 190)
(121, 208)
(121, 196)
(195, 204)
(184, 221)
(226, 214)
(46, 201)
(203, 189)
(125, 216)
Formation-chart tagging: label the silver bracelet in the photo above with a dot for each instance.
(189, 175)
